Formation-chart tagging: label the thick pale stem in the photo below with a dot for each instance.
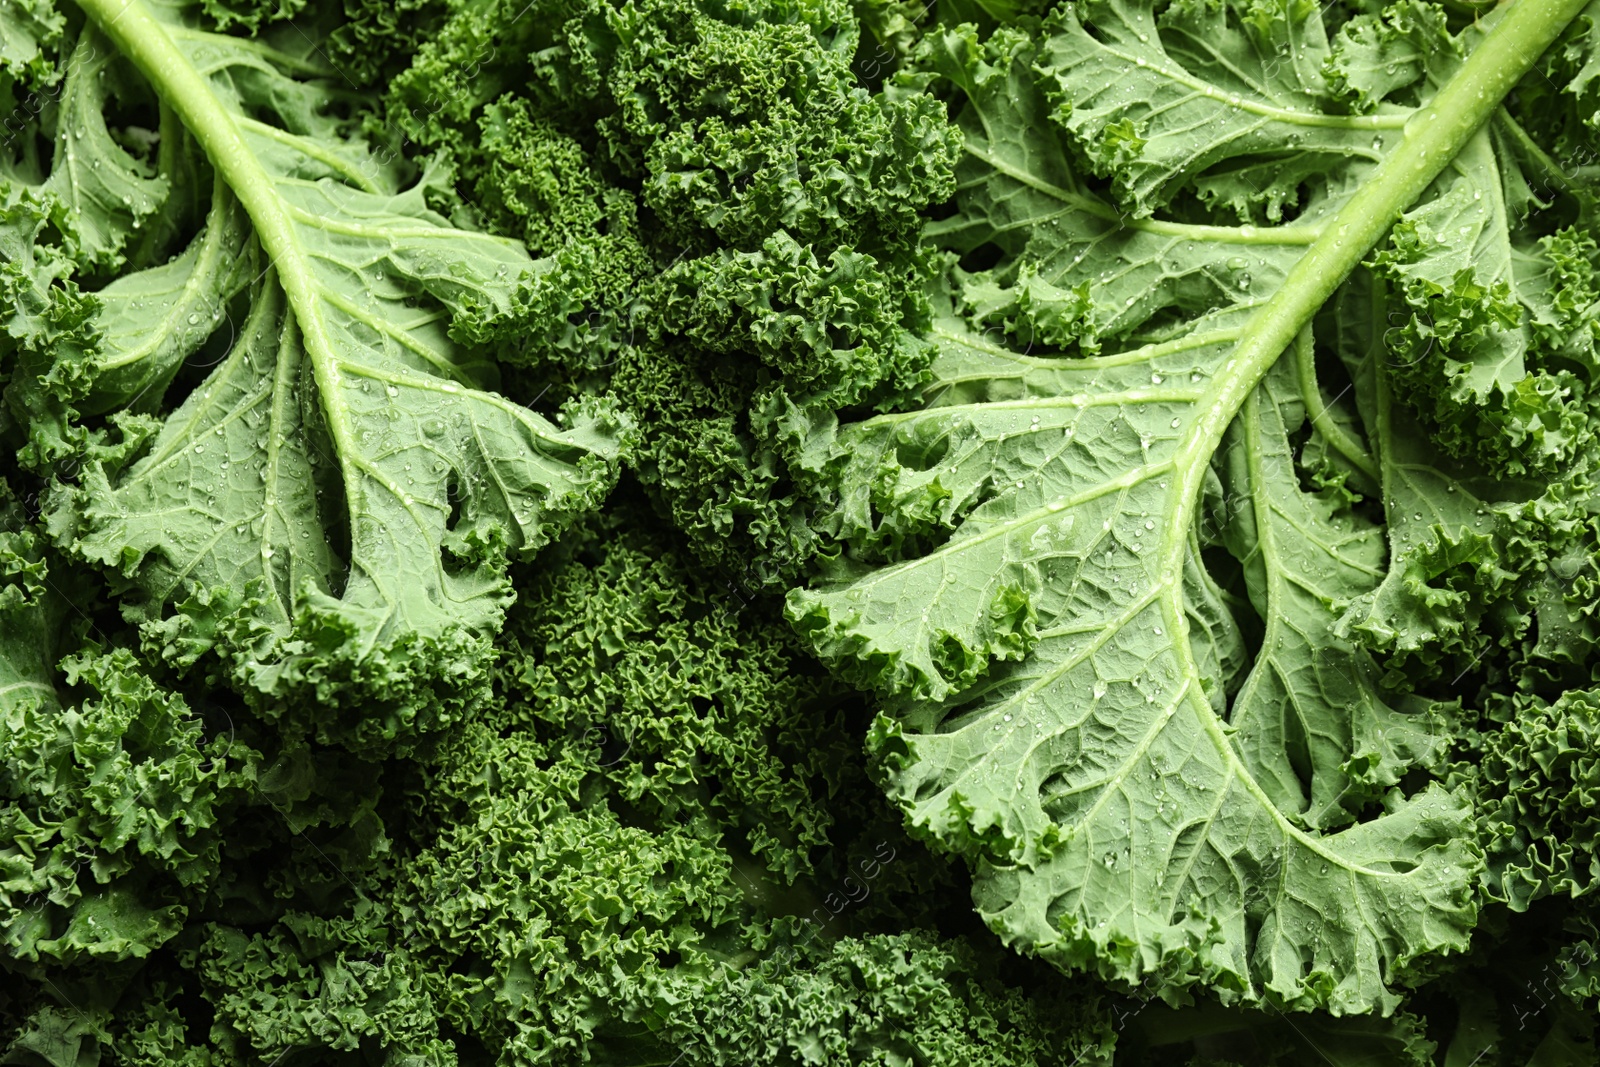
(1318, 410)
(1432, 138)
(139, 36)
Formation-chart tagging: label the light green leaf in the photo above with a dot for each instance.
(27, 29)
(1072, 266)
(332, 506)
(1054, 719)
(1378, 55)
(1019, 574)
(1480, 343)
(1317, 732)
(98, 194)
(152, 320)
(1460, 537)
(1152, 100)
(1588, 47)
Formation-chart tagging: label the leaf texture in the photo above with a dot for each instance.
(332, 505)
(1112, 637)
(1053, 716)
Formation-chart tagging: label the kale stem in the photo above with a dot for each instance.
(1433, 136)
(1317, 410)
(137, 33)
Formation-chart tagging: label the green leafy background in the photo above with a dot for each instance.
(703, 589)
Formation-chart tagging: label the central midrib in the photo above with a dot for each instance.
(1440, 130)
(145, 41)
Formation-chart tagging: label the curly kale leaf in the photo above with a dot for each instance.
(30, 35)
(1493, 326)
(1532, 767)
(332, 505)
(658, 844)
(1488, 575)
(1156, 97)
(1029, 568)
(113, 802)
(1492, 301)
(742, 220)
(1066, 266)
(1059, 665)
